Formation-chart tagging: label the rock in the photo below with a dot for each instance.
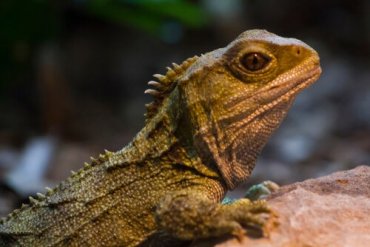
(329, 211)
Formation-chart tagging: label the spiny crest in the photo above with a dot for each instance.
(94, 162)
(38, 201)
(165, 85)
(40, 198)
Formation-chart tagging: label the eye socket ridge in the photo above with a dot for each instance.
(254, 61)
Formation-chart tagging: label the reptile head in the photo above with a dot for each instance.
(236, 96)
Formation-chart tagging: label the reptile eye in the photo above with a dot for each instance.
(254, 61)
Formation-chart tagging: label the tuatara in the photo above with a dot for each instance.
(208, 122)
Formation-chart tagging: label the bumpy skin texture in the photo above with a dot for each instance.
(210, 119)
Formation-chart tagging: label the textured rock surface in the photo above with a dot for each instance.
(329, 211)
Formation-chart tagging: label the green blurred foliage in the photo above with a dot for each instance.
(148, 15)
(27, 24)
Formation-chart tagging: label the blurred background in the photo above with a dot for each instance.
(72, 76)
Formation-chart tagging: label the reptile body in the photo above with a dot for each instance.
(209, 120)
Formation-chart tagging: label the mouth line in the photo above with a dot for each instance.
(289, 86)
(284, 83)
(279, 89)
(291, 89)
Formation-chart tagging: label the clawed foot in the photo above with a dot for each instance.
(191, 215)
(255, 218)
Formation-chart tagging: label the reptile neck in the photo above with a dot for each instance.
(157, 137)
(164, 141)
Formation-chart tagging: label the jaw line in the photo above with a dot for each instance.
(286, 85)
(291, 90)
(279, 86)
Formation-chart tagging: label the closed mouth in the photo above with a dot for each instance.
(288, 87)
(279, 91)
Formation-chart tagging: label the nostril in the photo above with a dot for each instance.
(298, 51)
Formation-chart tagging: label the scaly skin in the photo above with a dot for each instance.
(210, 119)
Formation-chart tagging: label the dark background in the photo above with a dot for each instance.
(72, 76)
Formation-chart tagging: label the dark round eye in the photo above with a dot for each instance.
(255, 61)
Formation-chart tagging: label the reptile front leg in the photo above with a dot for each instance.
(191, 215)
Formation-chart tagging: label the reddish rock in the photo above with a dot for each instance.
(329, 211)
